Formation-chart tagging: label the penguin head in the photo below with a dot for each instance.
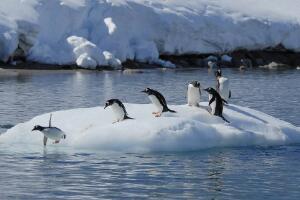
(38, 128)
(148, 91)
(195, 84)
(218, 73)
(211, 64)
(109, 103)
(211, 90)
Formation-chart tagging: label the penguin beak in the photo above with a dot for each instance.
(105, 106)
(144, 91)
(206, 89)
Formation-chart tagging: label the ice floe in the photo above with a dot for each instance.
(191, 128)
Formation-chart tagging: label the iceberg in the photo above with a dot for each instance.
(190, 129)
(93, 33)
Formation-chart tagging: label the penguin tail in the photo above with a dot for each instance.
(172, 111)
(126, 117)
(224, 119)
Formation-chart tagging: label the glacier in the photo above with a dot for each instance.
(190, 129)
(91, 33)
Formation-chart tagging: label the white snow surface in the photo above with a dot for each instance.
(191, 128)
(143, 29)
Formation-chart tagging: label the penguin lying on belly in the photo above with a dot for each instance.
(216, 103)
(53, 133)
(193, 93)
(118, 109)
(159, 101)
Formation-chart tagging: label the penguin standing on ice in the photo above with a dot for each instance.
(216, 103)
(51, 132)
(159, 101)
(193, 93)
(118, 109)
(222, 85)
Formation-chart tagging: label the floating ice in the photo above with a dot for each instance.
(189, 129)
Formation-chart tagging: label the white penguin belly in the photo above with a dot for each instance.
(224, 88)
(156, 103)
(118, 112)
(212, 105)
(53, 133)
(193, 96)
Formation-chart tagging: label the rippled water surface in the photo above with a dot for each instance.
(222, 173)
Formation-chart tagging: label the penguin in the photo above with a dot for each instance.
(118, 109)
(222, 85)
(159, 101)
(51, 132)
(216, 103)
(212, 65)
(193, 93)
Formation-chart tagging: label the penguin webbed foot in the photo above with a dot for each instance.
(155, 113)
(208, 110)
(158, 114)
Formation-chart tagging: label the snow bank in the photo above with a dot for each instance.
(189, 129)
(142, 30)
(8, 38)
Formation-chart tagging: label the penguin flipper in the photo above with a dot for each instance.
(45, 140)
(229, 94)
(211, 100)
(50, 120)
(187, 94)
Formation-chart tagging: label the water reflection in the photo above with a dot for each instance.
(108, 85)
(216, 170)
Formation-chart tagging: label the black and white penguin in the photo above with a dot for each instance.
(216, 103)
(222, 85)
(159, 101)
(51, 132)
(193, 93)
(118, 108)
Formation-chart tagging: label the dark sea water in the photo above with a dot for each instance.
(221, 173)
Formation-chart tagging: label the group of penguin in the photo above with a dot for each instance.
(217, 98)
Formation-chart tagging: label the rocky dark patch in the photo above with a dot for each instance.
(277, 57)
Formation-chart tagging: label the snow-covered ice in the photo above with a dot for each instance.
(112, 31)
(191, 128)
